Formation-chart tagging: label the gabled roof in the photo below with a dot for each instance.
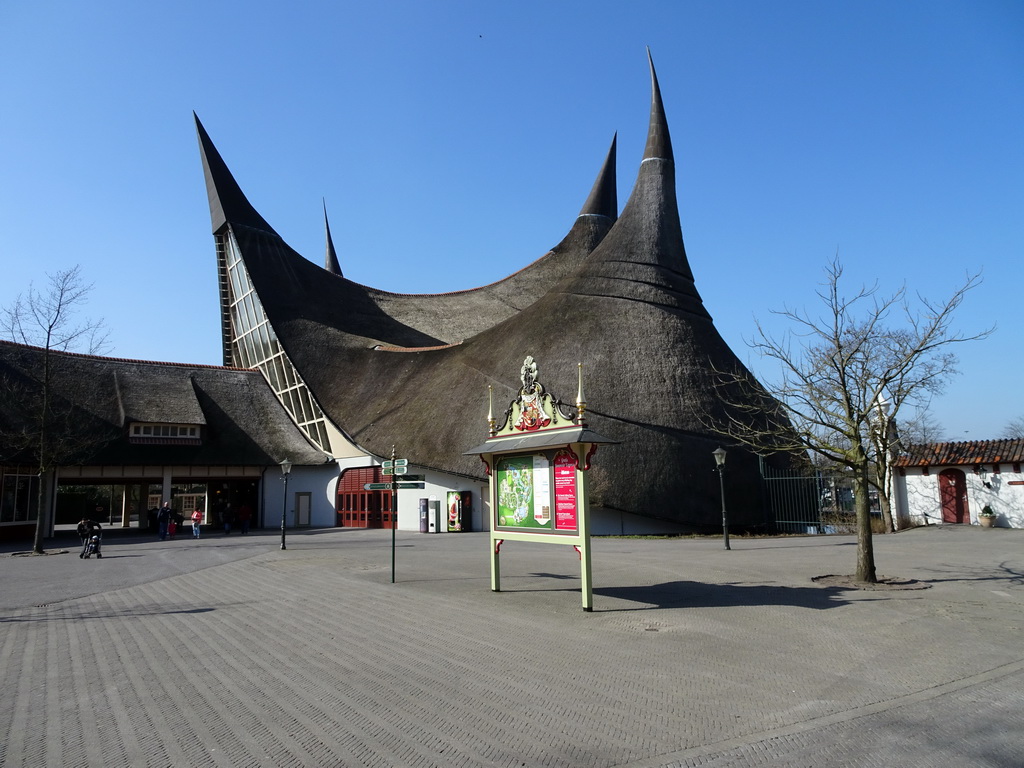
(97, 398)
(159, 394)
(963, 453)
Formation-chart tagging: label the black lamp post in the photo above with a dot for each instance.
(719, 454)
(286, 469)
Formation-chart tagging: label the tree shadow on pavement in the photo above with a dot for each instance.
(998, 573)
(695, 594)
(128, 613)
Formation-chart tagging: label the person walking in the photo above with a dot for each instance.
(197, 520)
(163, 518)
(86, 530)
(228, 517)
(244, 516)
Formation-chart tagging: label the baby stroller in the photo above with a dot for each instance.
(91, 547)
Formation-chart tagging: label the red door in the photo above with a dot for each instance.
(953, 493)
(358, 507)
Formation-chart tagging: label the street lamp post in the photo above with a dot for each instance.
(286, 469)
(719, 454)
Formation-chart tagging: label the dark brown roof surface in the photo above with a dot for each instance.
(622, 300)
(963, 453)
(302, 288)
(242, 422)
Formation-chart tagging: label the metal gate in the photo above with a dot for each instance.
(815, 501)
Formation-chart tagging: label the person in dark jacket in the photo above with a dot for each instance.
(86, 530)
(163, 517)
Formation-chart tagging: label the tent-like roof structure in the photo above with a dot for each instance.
(617, 294)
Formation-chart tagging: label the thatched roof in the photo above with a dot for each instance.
(98, 398)
(617, 295)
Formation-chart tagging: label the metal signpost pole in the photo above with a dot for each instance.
(394, 514)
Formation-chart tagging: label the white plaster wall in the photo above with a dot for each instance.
(319, 482)
(436, 486)
(918, 495)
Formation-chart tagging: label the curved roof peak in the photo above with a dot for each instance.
(603, 199)
(227, 202)
(659, 143)
(331, 263)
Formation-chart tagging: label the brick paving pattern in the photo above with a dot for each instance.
(227, 651)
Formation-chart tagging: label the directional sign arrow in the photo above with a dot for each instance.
(377, 487)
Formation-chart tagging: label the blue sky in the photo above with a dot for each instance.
(455, 142)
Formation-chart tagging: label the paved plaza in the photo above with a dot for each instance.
(227, 651)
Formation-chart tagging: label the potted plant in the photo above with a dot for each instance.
(987, 517)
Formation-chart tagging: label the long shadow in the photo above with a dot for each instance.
(998, 573)
(695, 594)
(102, 615)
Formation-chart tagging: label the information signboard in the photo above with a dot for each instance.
(565, 491)
(536, 494)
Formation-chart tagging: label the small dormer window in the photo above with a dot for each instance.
(187, 434)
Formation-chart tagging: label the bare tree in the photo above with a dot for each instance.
(845, 376)
(920, 429)
(47, 319)
(1015, 429)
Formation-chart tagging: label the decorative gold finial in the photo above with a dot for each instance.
(492, 427)
(581, 403)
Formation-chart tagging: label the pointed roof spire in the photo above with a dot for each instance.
(604, 200)
(659, 143)
(331, 259)
(227, 202)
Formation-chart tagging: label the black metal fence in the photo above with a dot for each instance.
(816, 501)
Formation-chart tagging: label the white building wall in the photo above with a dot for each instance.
(319, 482)
(435, 486)
(918, 496)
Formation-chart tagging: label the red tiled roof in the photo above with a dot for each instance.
(969, 453)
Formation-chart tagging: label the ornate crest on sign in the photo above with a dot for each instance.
(532, 413)
(533, 409)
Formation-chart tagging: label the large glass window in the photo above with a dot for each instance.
(19, 499)
(255, 346)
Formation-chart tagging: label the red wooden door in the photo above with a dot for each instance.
(953, 493)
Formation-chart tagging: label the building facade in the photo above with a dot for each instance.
(952, 483)
(361, 370)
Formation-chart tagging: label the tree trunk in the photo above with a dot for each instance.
(45, 507)
(42, 514)
(865, 548)
(883, 502)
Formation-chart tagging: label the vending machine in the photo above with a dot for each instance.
(460, 511)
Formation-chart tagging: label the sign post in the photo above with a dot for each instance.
(537, 462)
(394, 512)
